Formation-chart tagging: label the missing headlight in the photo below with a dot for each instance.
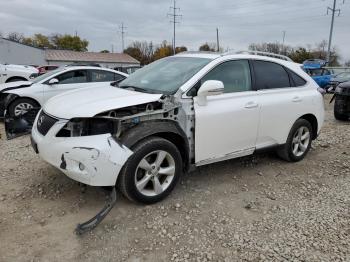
(88, 127)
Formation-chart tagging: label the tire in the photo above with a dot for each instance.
(139, 179)
(337, 115)
(19, 106)
(297, 146)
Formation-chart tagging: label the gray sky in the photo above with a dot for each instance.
(240, 22)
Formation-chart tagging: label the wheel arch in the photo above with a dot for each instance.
(169, 130)
(20, 78)
(314, 123)
(12, 98)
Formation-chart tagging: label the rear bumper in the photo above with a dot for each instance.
(92, 160)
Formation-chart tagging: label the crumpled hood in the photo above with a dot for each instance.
(88, 102)
(17, 84)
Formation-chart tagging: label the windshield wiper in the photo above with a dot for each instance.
(134, 88)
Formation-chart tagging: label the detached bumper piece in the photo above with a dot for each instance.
(20, 125)
(96, 220)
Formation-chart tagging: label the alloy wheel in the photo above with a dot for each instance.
(22, 108)
(301, 140)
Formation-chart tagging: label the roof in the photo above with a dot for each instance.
(74, 56)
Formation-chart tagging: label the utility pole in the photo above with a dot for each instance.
(284, 37)
(122, 28)
(217, 39)
(333, 10)
(175, 16)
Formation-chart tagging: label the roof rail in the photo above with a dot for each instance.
(260, 53)
(198, 52)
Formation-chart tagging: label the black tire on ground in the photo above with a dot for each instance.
(286, 152)
(131, 171)
(17, 102)
(15, 79)
(337, 115)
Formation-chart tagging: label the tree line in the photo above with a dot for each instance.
(147, 52)
(54, 41)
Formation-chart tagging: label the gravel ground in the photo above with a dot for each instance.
(257, 208)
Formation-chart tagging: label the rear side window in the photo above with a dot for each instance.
(104, 76)
(270, 75)
(297, 80)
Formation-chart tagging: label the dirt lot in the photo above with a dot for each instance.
(253, 209)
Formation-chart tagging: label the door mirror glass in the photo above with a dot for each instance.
(209, 88)
(53, 81)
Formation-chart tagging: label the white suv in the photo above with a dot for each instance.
(13, 73)
(179, 112)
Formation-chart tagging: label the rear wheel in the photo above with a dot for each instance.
(298, 142)
(21, 106)
(152, 172)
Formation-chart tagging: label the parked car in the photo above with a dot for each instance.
(22, 96)
(338, 79)
(13, 73)
(47, 68)
(315, 68)
(342, 101)
(177, 113)
(128, 69)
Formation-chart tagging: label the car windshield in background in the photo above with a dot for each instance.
(46, 75)
(343, 75)
(165, 76)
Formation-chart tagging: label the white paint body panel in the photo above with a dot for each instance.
(18, 71)
(91, 101)
(101, 156)
(225, 126)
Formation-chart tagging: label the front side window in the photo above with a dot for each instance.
(270, 75)
(165, 76)
(73, 77)
(235, 76)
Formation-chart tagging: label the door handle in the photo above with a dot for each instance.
(296, 99)
(251, 105)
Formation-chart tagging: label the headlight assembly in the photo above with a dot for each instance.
(88, 127)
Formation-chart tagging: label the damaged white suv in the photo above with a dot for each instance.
(188, 110)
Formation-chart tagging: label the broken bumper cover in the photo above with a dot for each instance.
(92, 160)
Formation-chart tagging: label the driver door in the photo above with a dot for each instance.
(67, 81)
(227, 126)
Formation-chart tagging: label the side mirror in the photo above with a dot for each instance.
(53, 81)
(209, 88)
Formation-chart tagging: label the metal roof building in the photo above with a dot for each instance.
(12, 52)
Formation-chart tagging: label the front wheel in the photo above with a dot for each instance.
(298, 142)
(152, 172)
(21, 106)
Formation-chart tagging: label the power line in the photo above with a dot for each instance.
(122, 28)
(333, 10)
(175, 20)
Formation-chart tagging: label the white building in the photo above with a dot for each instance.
(12, 52)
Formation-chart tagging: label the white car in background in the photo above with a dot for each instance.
(179, 112)
(13, 73)
(19, 97)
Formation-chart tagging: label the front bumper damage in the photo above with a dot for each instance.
(91, 160)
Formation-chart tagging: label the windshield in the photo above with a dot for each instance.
(46, 75)
(165, 76)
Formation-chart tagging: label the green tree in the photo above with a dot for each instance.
(42, 41)
(69, 42)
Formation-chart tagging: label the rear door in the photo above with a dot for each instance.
(226, 127)
(284, 96)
